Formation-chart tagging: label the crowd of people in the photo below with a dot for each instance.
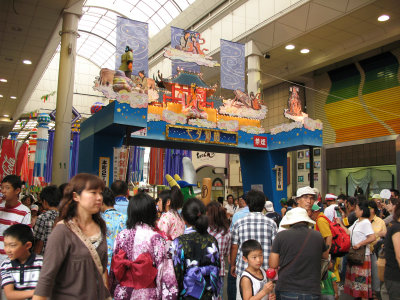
(84, 240)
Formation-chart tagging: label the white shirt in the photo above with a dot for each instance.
(256, 283)
(230, 208)
(359, 232)
(330, 212)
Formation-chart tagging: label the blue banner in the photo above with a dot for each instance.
(177, 37)
(135, 35)
(232, 66)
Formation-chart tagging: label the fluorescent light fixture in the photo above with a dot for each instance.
(1, 96)
(305, 51)
(383, 18)
(290, 47)
(27, 62)
(6, 116)
(13, 97)
(3, 80)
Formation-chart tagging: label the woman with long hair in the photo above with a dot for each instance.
(150, 274)
(171, 223)
(75, 261)
(196, 256)
(218, 227)
(358, 277)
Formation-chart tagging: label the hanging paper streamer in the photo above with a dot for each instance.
(232, 66)
(49, 158)
(120, 163)
(173, 162)
(22, 158)
(7, 159)
(134, 34)
(176, 40)
(136, 162)
(156, 166)
(32, 153)
(73, 163)
(41, 146)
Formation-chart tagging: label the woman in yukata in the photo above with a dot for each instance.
(171, 223)
(196, 256)
(150, 274)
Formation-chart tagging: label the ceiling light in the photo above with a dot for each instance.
(27, 62)
(304, 51)
(290, 47)
(6, 116)
(13, 97)
(1, 96)
(383, 18)
(3, 80)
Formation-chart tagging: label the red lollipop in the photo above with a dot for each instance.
(271, 273)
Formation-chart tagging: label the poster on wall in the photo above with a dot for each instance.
(300, 166)
(104, 169)
(300, 178)
(317, 152)
(317, 164)
(300, 154)
(257, 187)
(121, 156)
(279, 178)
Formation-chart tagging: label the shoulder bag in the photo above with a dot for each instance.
(356, 256)
(95, 256)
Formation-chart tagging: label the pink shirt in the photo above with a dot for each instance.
(171, 224)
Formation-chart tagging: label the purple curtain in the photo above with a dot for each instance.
(73, 164)
(173, 162)
(136, 162)
(49, 158)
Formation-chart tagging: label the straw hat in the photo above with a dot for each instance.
(269, 206)
(305, 191)
(296, 215)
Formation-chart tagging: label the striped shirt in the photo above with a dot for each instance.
(23, 277)
(18, 214)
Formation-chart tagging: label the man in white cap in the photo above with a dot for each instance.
(298, 252)
(330, 212)
(305, 198)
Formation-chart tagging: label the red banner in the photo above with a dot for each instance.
(22, 154)
(7, 159)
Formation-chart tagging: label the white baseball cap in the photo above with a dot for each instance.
(330, 197)
(307, 190)
(296, 215)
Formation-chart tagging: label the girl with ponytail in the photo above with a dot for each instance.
(196, 256)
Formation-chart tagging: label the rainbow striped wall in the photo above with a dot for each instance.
(364, 100)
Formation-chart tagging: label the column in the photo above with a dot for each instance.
(62, 135)
(253, 55)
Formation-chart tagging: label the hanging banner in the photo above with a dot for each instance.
(104, 169)
(181, 39)
(232, 66)
(121, 156)
(135, 35)
(279, 178)
(7, 159)
(21, 157)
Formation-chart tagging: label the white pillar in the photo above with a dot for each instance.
(253, 55)
(62, 135)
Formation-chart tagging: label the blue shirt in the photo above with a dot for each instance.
(115, 222)
(121, 205)
(239, 214)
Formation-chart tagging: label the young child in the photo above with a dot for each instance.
(254, 284)
(20, 272)
(11, 210)
(329, 289)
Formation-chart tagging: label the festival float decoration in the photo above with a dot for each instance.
(32, 152)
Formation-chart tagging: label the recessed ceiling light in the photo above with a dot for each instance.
(13, 97)
(3, 80)
(6, 116)
(383, 18)
(304, 51)
(1, 96)
(290, 47)
(27, 62)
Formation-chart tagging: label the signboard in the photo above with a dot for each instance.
(201, 135)
(279, 178)
(257, 187)
(104, 169)
(260, 141)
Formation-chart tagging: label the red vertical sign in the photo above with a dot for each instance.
(7, 159)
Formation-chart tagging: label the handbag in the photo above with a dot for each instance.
(381, 263)
(95, 256)
(356, 256)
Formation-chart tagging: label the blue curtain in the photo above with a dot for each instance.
(73, 162)
(49, 158)
(136, 162)
(173, 162)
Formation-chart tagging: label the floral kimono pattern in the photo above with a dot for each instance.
(197, 265)
(143, 239)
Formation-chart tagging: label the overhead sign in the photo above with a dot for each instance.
(201, 135)
(260, 141)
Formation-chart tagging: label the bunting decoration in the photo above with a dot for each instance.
(46, 97)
